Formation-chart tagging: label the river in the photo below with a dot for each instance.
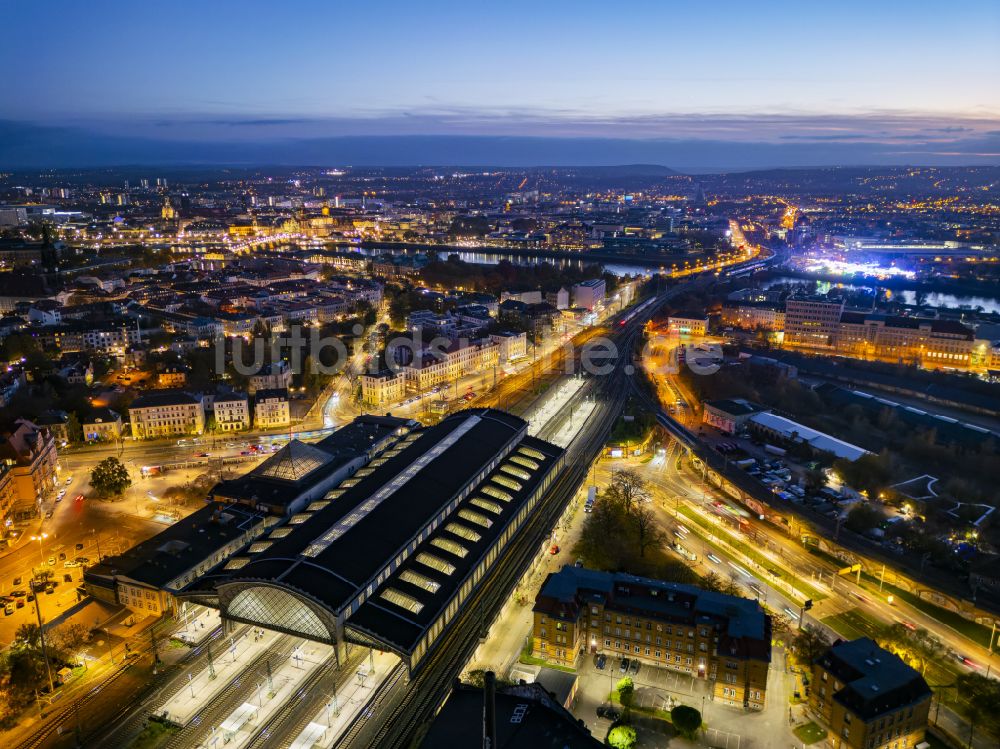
(907, 296)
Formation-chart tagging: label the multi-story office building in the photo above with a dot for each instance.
(868, 698)
(812, 321)
(929, 343)
(589, 294)
(724, 639)
(687, 325)
(822, 324)
(166, 413)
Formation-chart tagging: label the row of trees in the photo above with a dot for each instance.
(22, 665)
(621, 533)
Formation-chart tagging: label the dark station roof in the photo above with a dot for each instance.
(340, 542)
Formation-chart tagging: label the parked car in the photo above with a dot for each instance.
(83, 560)
(8, 609)
(623, 666)
(606, 711)
(67, 578)
(601, 661)
(51, 561)
(79, 547)
(635, 666)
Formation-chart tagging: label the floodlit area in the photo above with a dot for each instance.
(558, 415)
(270, 693)
(231, 656)
(345, 705)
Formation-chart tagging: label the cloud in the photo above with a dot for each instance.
(721, 143)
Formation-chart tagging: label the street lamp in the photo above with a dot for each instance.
(39, 538)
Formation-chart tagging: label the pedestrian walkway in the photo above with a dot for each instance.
(344, 707)
(243, 723)
(232, 657)
(196, 623)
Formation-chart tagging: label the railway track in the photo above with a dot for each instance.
(224, 703)
(295, 715)
(403, 707)
(128, 721)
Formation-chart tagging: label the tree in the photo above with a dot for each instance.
(863, 517)
(815, 480)
(74, 431)
(622, 737)
(626, 690)
(687, 720)
(809, 644)
(110, 478)
(628, 489)
(647, 532)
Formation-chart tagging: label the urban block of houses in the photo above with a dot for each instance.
(271, 409)
(166, 413)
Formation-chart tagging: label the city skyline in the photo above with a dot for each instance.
(741, 87)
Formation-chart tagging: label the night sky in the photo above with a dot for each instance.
(686, 84)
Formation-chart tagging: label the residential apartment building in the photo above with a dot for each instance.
(383, 388)
(754, 316)
(101, 425)
(271, 409)
(435, 366)
(166, 413)
(512, 346)
(30, 453)
(231, 412)
(723, 639)
(8, 493)
(868, 698)
(114, 338)
(275, 376)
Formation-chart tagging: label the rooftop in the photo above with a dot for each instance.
(181, 546)
(876, 681)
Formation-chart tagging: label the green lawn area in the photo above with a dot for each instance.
(800, 585)
(810, 733)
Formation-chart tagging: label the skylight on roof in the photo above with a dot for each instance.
(452, 547)
(516, 472)
(485, 504)
(504, 481)
(300, 518)
(530, 452)
(402, 600)
(435, 563)
(281, 532)
(475, 517)
(497, 493)
(462, 532)
(236, 562)
(526, 462)
(319, 504)
(259, 546)
(415, 578)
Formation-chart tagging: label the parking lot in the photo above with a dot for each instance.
(658, 688)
